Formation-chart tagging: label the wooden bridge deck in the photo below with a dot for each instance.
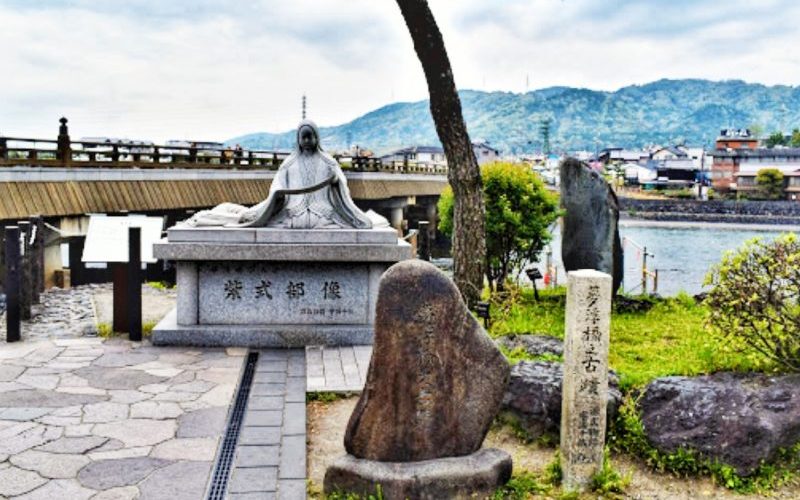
(20, 199)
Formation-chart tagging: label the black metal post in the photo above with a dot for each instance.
(119, 273)
(13, 264)
(135, 283)
(25, 287)
(75, 266)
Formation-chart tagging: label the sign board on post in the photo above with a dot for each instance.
(107, 238)
(107, 241)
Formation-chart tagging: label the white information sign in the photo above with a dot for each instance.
(107, 237)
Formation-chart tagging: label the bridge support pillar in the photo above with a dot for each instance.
(431, 211)
(397, 218)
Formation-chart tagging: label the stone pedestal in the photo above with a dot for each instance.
(476, 475)
(263, 287)
(585, 386)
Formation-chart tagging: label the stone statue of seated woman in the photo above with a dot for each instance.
(309, 191)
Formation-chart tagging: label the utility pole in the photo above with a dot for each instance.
(304, 106)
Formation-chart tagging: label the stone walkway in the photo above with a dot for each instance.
(271, 454)
(82, 418)
(337, 369)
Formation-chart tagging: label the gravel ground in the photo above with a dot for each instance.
(76, 311)
(327, 423)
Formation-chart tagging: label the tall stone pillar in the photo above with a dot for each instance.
(585, 389)
(397, 218)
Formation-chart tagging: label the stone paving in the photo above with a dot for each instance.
(270, 457)
(87, 418)
(60, 313)
(337, 369)
(75, 312)
(82, 418)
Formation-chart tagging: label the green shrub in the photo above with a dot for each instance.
(755, 300)
(519, 212)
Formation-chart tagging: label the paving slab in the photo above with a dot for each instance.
(93, 418)
(337, 369)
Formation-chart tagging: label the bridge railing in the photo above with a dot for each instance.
(65, 153)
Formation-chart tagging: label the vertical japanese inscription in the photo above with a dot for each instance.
(428, 363)
(585, 396)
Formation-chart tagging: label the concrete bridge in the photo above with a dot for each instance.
(64, 180)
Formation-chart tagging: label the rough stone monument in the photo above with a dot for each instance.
(590, 232)
(302, 267)
(585, 387)
(434, 385)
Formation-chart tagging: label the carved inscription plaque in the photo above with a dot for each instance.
(283, 293)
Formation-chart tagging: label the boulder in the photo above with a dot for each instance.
(534, 345)
(534, 397)
(436, 380)
(590, 233)
(740, 419)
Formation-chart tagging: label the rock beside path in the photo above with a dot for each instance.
(534, 397)
(436, 379)
(740, 419)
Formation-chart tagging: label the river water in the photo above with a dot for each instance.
(682, 252)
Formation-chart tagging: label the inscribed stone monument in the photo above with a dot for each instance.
(585, 386)
(434, 385)
(590, 233)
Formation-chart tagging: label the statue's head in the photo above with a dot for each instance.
(307, 137)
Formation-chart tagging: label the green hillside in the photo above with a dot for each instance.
(665, 111)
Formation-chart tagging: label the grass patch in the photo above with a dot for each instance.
(160, 285)
(609, 482)
(518, 354)
(327, 397)
(668, 337)
(650, 338)
(106, 331)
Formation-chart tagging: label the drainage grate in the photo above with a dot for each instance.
(222, 471)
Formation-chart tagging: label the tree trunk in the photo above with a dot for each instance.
(464, 176)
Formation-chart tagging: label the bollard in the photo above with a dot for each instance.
(585, 386)
(135, 283)
(25, 286)
(13, 263)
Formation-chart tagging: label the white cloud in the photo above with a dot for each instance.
(212, 69)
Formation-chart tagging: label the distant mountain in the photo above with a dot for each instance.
(665, 111)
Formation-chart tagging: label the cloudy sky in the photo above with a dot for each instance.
(215, 69)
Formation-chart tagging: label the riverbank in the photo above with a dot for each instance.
(627, 221)
(721, 211)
